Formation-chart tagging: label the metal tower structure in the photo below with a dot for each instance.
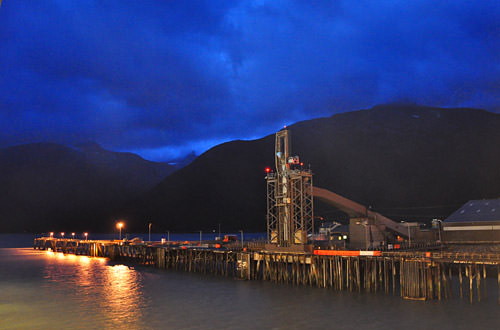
(290, 215)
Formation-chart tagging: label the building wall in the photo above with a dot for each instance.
(359, 234)
(473, 232)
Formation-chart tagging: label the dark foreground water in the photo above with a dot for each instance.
(43, 290)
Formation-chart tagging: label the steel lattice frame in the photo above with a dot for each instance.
(272, 214)
(290, 215)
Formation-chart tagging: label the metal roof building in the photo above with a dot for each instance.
(477, 221)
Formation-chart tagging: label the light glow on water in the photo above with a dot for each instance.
(50, 290)
(93, 281)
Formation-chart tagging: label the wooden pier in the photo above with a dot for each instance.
(411, 275)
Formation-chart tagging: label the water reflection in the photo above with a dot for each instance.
(53, 291)
(123, 294)
(115, 289)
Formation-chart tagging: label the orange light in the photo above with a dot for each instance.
(301, 164)
(73, 234)
(119, 225)
(51, 233)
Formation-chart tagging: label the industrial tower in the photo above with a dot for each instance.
(290, 215)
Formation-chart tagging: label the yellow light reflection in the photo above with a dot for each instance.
(116, 288)
(123, 293)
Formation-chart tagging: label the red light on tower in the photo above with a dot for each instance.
(268, 169)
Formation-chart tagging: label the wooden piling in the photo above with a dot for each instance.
(471, 278)
(460, 281)
(498, 279)
(478, 283)
(484, 281)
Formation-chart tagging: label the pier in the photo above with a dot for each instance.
(382, 255)
(412, 275)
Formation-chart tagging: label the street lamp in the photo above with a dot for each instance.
(73, 235)
(51, 234)
(119, 225)
(86, 235)
(409, 233)
(62, 234)
(439, 224)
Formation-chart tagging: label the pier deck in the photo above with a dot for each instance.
(413, 275)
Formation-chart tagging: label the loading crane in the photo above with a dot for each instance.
(290, 211)
(290, 215)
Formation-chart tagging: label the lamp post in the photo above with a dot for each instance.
(409, 233)
(51, 234)
(439, 224)
(73, 235)
(86, 235)
(119, 225)
(62, 234)
(150, 224)
(241, 231)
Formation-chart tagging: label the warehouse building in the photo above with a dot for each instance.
(477, 221)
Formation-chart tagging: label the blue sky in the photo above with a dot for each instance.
(162, 78)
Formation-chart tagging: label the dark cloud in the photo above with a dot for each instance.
(162, 79)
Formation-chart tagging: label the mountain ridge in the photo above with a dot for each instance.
(408, 162)
(387, 157)
(55, 186)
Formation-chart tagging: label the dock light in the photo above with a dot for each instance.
(86, 235)
(62, 234)
(73, 235)
(119, 225)
(51, 234)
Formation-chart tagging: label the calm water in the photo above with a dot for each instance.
(42, 290)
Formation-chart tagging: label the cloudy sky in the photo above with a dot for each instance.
(162, 78)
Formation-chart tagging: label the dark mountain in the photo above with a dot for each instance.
(408, 162)
(183, 161)
(47, 186)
